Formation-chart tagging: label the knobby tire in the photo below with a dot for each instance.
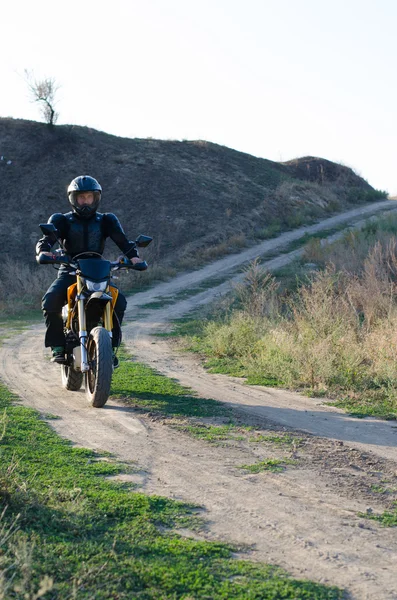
(99, 378)
(71, 379)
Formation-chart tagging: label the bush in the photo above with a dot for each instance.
(335, 334)
(22, 286)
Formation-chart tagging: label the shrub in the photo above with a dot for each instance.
(335, 333)
(22, 286)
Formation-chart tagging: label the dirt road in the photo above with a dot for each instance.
(304, 519)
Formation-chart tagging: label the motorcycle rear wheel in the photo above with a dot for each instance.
(100, 357)
(71, 379)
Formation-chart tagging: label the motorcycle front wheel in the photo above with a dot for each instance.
(71, 379)
(100, 358)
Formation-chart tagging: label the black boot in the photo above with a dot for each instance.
(58, 355)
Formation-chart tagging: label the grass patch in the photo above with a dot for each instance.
(383, 489)
(225, 366)
(217, 433)
(79, 535)
(204, 285)
(278, 440)
(388, 518)
(186, 293)
(275, 465)
(22, 319)
(182, 328)
(144, 388)
(370, 403)
(157, 303)
(12, 324)
(317, 235)
(188, 327)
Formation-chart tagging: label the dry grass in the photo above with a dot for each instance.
(192, 260)
(257, 294)
(336, 334)
(22, 286)
(304, 194)
(350, 252)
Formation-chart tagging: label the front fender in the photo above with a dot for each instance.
(101, 298)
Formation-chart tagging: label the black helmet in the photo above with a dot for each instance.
(84, 183)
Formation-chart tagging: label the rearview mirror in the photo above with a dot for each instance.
(50, 230)
(143, 240)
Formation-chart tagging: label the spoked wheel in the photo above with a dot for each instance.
(100, 358)
(71, 379)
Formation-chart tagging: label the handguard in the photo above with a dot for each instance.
(44, 259)
(124, 261)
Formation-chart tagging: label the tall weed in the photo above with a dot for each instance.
(334, 334)
(257, 294)
(22, 286)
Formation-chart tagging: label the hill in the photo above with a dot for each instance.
(189, 195)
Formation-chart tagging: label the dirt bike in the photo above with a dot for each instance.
(88, 317)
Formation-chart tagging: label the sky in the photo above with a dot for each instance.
(277, 79)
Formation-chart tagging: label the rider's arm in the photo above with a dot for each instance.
(116, 233)
(45, 243)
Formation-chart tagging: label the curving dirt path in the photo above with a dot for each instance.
(304, 519)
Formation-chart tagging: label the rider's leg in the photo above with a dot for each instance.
(119, 309)
(52, 303)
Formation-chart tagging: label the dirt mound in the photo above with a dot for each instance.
(320, 170)
(188, 195)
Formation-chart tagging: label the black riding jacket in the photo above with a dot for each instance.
(87, 235)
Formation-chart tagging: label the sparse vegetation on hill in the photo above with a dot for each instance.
(186, 194)
(197, 199)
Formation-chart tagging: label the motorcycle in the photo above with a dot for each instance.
(88, 317)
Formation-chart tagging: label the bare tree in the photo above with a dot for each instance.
(43, 91)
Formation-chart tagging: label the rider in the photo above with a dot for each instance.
(83, 230)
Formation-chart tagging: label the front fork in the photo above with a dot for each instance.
(82, 328)
(83, 337)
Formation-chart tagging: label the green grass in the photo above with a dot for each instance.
(388, 518)
(204, 285)
(161, 303)
(182, 328)
(185, 327)
(370, 403)
(216, 433)
(16, 323)
(225, 365)
(278, 440)
(317, 235)
(383, 489)
(148, 390)
(186, 293)
(26, 317)
(275, 465)
(88, 537)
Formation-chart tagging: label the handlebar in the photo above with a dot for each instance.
(63, 259)
(123, 264)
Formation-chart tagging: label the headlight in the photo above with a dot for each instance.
(94, 286)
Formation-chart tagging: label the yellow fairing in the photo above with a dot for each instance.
(72, 291)
(109, 308)
(114, 293)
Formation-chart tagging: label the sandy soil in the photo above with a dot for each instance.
(304, 519)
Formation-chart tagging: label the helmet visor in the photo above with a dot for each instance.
(85, 203)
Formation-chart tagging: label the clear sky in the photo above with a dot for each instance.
(275, 78)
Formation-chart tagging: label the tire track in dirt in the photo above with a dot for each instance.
(295, 519)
